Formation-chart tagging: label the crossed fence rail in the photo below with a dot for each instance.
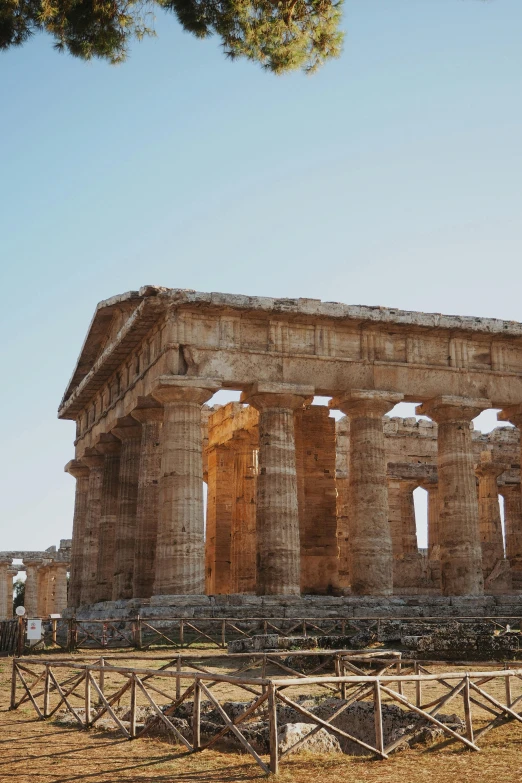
(92, 691)
(142, 633)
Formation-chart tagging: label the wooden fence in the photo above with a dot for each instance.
(143, 633)
(94, 691)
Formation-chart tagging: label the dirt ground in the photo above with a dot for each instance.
(44, 752)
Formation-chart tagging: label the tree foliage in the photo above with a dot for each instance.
(281, 35)
(18, 593)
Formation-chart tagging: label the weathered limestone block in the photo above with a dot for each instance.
(129, 432)
(243, 571)
(81, 473)
(315, 461)
(6, 598)
(371, 557)
(277, 501)
(110, 447)
(320, 742)
(343, 500)
(220, 499)
(150, 416)
(180, 556)
(461, 554)
(95, 462)
(491, 538)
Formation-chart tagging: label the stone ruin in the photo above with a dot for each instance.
(296, 504)
(45, 583)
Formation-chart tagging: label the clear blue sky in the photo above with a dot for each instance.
(391, 177)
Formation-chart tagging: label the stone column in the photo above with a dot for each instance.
(95, 462)
(129, 432)
(342, 430)
(461, 554)
(147, 512)
(219, 519)
(513, 530)
(278, 547)
(44, 588)
(316, 459)
(180, 547)
(371, 555)
(490, 524)
(433, 517)
(81, 474)
(409, 527)
(110, 447)
(10, 589)
(4, 592)
(395, 515)
(243, 545)
(31, 588)
(60, 588)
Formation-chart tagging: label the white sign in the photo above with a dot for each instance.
(55, 616)
(34, 629)
(20, 611)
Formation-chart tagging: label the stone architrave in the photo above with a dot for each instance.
(81, 473)
(5, 598)
(243, 539)
(95, 462)
(150, 415)
(278, 545)
(219, 519)
(513, 528)
(460, 550)
(180, 553)
(110, 447)
(31, 587)
(491, 538)
(371, 554)
(129, 432)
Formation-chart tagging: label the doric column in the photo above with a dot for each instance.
(11, 573)
(315, 458)
(44, 588)
(278, 547)
(513, 530)
(433, 517)
(342, 432)
(219, 519)
(81, 474)
(180, 554)
(95, 462)
(4, 592)
(409, 527)
(129, 432)
(461, 554)
(60, 588)
(150, 415)
(243, 543)
(490, 524)
(395, 515)
(371, 558)
(31, 587)
(110, 447)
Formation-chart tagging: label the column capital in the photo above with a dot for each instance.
(93, 458)
(108, 444)
(183, 388)
(512, 413)
(277, 395)
(77, 469)
(126, 428)
(487, 467)
(364, 401)
(148, 413)
(452, 408)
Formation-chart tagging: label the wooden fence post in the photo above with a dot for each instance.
(132, 726)
(263, 672)
(178, 679)
(196, 716)
(181, 633)
(418, 686)
(13, 685)
(377, 708)
(47, 683)
(21, 636)
(102, 676)
(223, 634)
(272, 719)
(467, 710)
(507, 680)
(87, 698)
(398, 667)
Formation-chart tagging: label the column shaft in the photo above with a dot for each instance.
(31, 589)
(129, 432)
(4, 591)
(95, 462)
(461, 554)
(395, 516)
(81, 474)
(343, 500)
(371, 553)
(219, 519)
(147, 511)
(110, 447)
(243, 534)
(490, 524)
(409, 527)
(513, 529)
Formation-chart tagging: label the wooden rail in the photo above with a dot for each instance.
(181, 632)
(94, 690)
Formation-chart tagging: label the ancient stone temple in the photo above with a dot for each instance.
(45, 580)
(297, 503)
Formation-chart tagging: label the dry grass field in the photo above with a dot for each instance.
(44, 752)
